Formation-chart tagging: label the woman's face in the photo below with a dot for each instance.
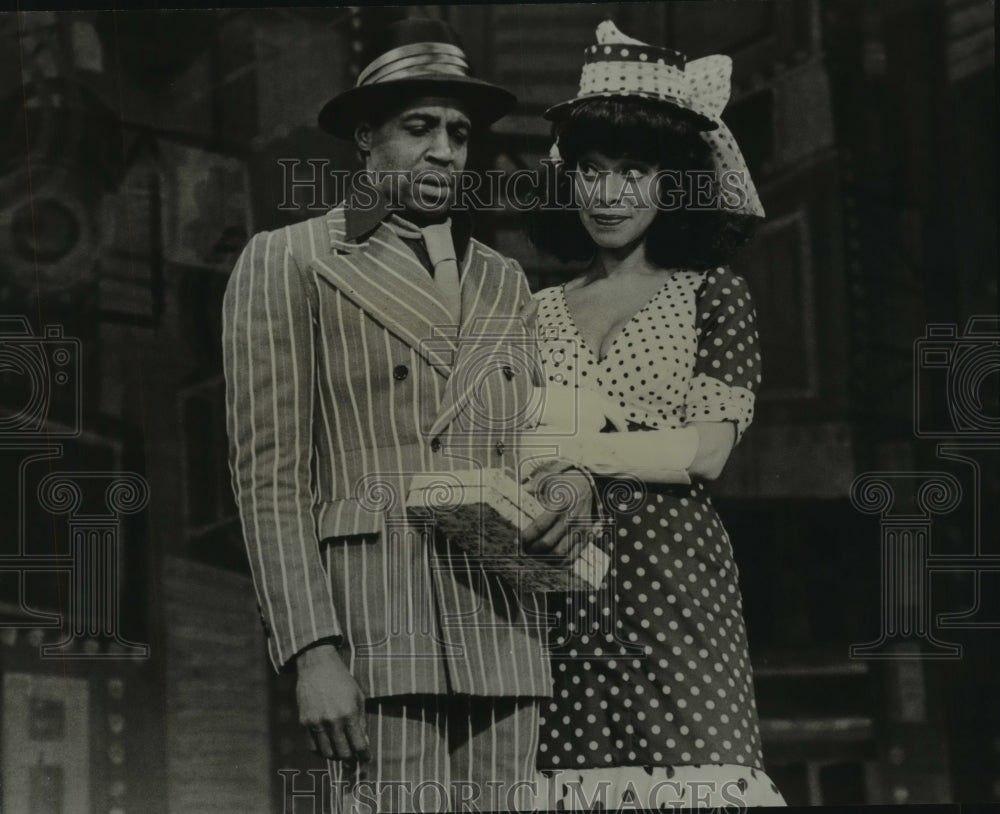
(617, 198)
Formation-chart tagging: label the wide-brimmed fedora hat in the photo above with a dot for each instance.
(415, 57)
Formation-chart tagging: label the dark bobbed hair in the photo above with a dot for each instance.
(648, 131)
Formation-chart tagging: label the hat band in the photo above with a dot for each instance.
(415, 58)
(419, 65)
(638, 78)
(636, 53)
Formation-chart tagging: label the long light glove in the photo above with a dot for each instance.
(572, 420)
(654, 456)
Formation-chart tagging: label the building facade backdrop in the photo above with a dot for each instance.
(144, 148)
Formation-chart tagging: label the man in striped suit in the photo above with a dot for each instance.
(361, 347)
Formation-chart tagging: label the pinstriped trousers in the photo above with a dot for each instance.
(442, 753)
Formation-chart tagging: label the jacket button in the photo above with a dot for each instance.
(400, 372)
(435, 445)
(508, 372)
(500, 447)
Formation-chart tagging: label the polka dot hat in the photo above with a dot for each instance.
(618, 65)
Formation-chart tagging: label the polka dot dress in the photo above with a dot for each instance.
(652, 669)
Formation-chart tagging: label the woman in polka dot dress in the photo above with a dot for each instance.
(656, 345)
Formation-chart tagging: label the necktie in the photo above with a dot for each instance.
(441, 251)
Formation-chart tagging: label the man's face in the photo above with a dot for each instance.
(427, 140)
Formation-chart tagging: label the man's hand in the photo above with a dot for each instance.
(331, 705)
(548, 535)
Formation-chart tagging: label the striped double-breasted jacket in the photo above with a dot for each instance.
(342, 380)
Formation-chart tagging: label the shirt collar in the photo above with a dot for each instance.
(359, 222)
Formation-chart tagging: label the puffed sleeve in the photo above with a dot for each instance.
(727, 371)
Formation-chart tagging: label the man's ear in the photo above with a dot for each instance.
(363, 138)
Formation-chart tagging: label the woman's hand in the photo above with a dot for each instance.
(562, 529)
(699, 450)
(657, 456)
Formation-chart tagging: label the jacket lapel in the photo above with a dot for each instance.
(489, 324)
(385, 279)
